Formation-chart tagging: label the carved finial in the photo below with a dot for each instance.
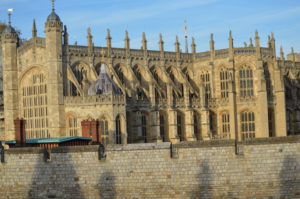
(211, 36)
(251, 42)
(53, 5)
(245, 44)
(126, 34)
(177, 40)
(89, 31)
(193, 41)
(272, 36)
(10, 10)
(34, 31)
(256, 33)
(144, 41)
(230, 34)
(161, 43)
(292, 49)
(193, 45)
(108, 33)
(281, 53)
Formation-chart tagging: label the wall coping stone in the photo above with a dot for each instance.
(156, 146)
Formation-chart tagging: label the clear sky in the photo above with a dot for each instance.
(243, 17)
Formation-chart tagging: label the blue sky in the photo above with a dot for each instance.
(167, 17)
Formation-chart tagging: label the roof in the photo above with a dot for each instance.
(53, 17)
(50, 140)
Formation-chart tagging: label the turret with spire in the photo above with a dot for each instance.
(10, 72)
(56, 74)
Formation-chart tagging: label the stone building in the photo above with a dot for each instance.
(132, 95)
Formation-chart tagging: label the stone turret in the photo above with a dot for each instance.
(10, 72)
(53, 52)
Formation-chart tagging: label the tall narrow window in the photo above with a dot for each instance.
(196, 126)
(248, 125)
(271, 119)
(72, 126)
(144, 128)
(118, 131)
(206, 82)
(104, 131)
(162, 127)
(225, 123)
(246, 83)
(224, 79)
(179, 127)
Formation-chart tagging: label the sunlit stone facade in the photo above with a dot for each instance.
(145, 95)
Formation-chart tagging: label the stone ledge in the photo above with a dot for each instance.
(156, 146)
(142, 146)
(272, 140)
(25, 150)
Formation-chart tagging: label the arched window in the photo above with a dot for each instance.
(72, 126)
(34, 105)
(248, 125)
(144, 128)
(104, 131)
(162, 127)
(118, 131)
(225, 123)
(205, 78)
(179, 126)
(224, 80)
(246, 83)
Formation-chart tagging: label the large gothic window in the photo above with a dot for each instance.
(205, 78)
(246, 83)
(104, 131)
(34, 105)
(248, 125)
(224, 80)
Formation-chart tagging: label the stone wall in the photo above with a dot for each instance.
(264, 168)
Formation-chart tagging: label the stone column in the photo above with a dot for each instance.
(189, 125)
(280, 107)
(205, 128)
(172, 130)
(261, 114)
(155, 126)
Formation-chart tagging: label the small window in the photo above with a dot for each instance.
(248, 125)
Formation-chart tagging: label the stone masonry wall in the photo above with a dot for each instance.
(264, 168)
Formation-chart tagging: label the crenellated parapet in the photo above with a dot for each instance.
(95, 100)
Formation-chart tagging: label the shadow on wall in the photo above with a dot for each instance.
(107, 186)
(55, 179)
(290, 177)
(205, 190)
